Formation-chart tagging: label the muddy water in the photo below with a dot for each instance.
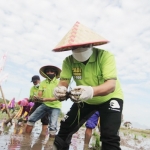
(12, 137)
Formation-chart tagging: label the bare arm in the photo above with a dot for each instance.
(49, 99)
(40, 93)
(105, 89)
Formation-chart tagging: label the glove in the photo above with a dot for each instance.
(81, 93)
(60, 93)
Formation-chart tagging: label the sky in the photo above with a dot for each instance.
(29, 30)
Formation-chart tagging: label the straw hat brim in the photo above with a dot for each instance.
(43, 68)
(79, 35)
(70, 47)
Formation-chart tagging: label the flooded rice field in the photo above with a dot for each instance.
(13, 137)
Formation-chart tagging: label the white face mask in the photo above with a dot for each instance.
(37, 85)
(82, 54)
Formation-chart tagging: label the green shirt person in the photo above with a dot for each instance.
(34, 92)
(97, 87)
(103, 66)
(50, 104)
(46, 89)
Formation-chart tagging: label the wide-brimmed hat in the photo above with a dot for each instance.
(56, 69)
(77, 36)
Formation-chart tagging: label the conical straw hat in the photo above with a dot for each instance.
(52, 67)
(77, 36)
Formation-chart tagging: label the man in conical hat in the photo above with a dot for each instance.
(98, 88)
(50, 105)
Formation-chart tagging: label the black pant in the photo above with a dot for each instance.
(110, 116)
(45, 119)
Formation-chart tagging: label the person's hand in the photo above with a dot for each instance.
(44, 100)
(81, 93)
(60, 93)
(37, 99)
(30, 99)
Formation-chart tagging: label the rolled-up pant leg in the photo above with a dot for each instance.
(91, 123)
(44, 119)
(37, 114)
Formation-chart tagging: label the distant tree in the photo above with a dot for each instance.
(2, 101)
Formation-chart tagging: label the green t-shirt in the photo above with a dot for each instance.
(34, 91)
(47, 88)
(100, 67)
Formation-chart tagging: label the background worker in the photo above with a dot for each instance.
(25, 109)
(34, 92)
(90, 124)
(50, 105)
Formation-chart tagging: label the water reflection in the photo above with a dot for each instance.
(40, 142)
(4, 138)
(13, 137)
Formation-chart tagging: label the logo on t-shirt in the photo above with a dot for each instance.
(114, 105)
(77, 73)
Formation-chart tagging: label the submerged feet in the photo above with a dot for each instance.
(49, 144)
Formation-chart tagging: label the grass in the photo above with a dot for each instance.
(3, 115)
(135, 130)
(133, 134)
(143, 135)
(135, 137)
(96, 141)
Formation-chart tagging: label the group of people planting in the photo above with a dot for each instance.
(97, 91)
